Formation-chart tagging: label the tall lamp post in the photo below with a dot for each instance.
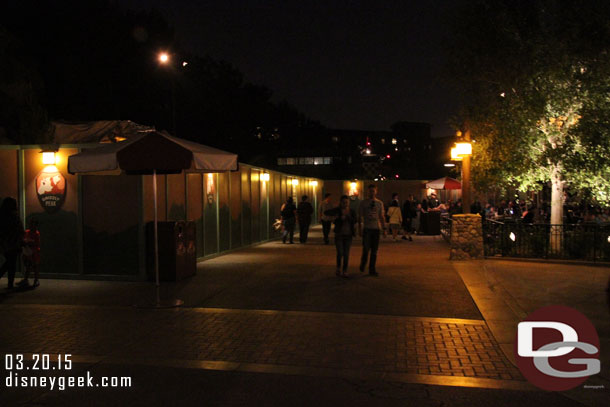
(462, 152)
(164, 59)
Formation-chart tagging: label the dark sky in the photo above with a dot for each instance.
(349, 64)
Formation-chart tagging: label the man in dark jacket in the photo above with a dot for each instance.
(345, 229)
(304, 212)
(408, 212)
(11, 238)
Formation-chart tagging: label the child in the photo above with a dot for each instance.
(31, 253)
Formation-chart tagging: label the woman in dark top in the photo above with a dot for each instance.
(288, 213)
(11, 238)
(345, 230)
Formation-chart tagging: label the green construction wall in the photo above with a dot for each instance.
(100, 231)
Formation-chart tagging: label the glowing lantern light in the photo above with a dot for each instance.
(463, 149)
(454, 155)
(353, 189)
(48, 158)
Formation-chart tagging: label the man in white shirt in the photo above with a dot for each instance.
(371, 213)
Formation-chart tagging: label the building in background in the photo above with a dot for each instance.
(407, 151)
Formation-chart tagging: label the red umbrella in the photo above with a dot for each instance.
(444, 183)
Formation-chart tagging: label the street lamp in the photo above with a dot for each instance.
(462, 152)
(164, 59)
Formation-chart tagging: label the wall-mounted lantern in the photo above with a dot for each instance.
(210, 189)
(49, 157)
(353, 189)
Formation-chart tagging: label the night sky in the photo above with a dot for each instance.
(349, 64)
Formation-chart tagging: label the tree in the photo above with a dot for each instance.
(534, 79)
(98, 61)
(21, 115)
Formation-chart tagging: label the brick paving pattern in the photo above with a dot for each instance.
(375, 343)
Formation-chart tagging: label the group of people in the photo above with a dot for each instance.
(574, 213)
(369, 222)
(291, 214)
(519, 210)
(16, 244)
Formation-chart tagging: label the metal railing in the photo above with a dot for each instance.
(446, 227)
(586, 241)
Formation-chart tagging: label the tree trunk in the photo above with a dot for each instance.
(556, 211)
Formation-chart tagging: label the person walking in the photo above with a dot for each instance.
(304, 212)
(416, 221)
(345, 230)
(325, 205)
(408, 210)
(394, 218)
(371, 214)
(288, 215)
(11, 239)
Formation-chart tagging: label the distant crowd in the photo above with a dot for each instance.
(574, 213)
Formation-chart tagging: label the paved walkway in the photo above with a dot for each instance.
(424, 346)
(279, 309)
(416, 280)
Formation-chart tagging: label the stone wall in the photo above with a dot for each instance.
(466, 237)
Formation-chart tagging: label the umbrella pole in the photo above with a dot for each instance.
(156, 239)
(158, 304)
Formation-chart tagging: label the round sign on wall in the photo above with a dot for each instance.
(51, 189)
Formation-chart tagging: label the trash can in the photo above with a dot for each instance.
(431, 223)
(177, 250)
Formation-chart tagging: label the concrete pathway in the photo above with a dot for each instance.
(279, 311)
(507, 291)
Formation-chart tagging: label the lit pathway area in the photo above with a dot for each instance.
(273, 325)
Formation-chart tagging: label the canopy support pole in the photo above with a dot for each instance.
(156, 237)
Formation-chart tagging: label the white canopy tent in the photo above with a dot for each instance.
(152, 152)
